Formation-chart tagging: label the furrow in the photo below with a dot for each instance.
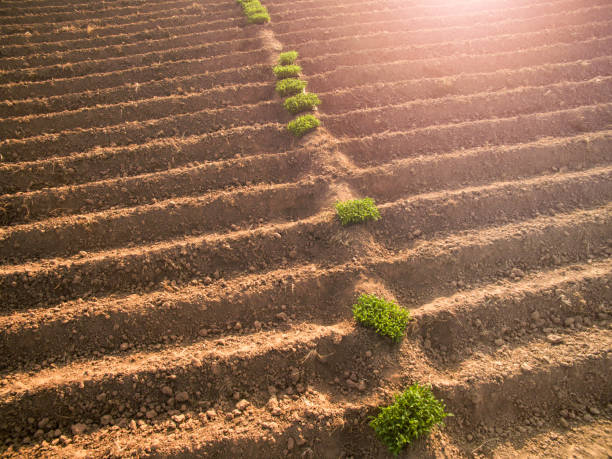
(58, 336)
(482, 165)
(153, 156)
(315, 9)
(389, 93)
(148, 188)
(532, 378)
(168, 39)
(477, 166)
(454, 329)
(143, 74)
(74, 16)
(52, 281)
(486, 105)
(471, 29)
(165, 87)
(71, 397)
(142, 110)
(86, 122)
(70, 33)
(135, 133)
(215, 50)
(203, 370)
(396, 65)
(192, 215)
(501, 131)
(213, 84)
(67, 6)
(157, 30)
(417, 17)
(47, 29)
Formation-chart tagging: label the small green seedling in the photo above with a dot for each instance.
(287, 58)
(303, 125)
(290, 86)
(255, 12)
(415, 412)
(301, 103)
(385, 317)
(357, 210)
(286, 71)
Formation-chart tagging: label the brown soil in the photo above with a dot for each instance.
(173, 279)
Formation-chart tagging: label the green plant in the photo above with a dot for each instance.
(290, 86)
(385, 317)
(286, 71)
(288, 57)
(357, 210)
(302, 125)
(413, 414)
(301, 103)
(255, 12)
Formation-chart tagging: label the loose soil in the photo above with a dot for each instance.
(173, 278)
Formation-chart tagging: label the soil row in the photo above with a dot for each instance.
(232, 210)
(101, 48)
(305, 241)
(370, 95)
(154, 156)
(213, 83)
(387, 146)
(29, 18)
(157, 30)
(413, 16)
(69, 132)
(168, 86)
(476, 107)
(49, 6)
(380, 94)
(396, 68)
(145, 74)
(115, 375)
(412, 115)
(23, 32)
(186, 36)
(469, 30)
(142, 189)
(170, 153)
(147, 111)
(219, 50)
(447, 212)
(315, 9)
(64, 36)
(402, 177)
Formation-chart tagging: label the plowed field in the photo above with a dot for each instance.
(174, 280)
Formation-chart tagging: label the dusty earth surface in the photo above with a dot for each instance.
(173, 279)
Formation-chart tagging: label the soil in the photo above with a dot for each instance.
(174, 280)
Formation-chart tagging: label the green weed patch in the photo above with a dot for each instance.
(303, 125)
(255, 12)
(290, 86)
(357, 210)
(413, 414)
(287, 58)
(301, 103)
(385, 317)
(286, 71)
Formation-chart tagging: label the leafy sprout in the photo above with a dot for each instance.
(385, 317)
(413, 414)
(302, 125)
(357, 210)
